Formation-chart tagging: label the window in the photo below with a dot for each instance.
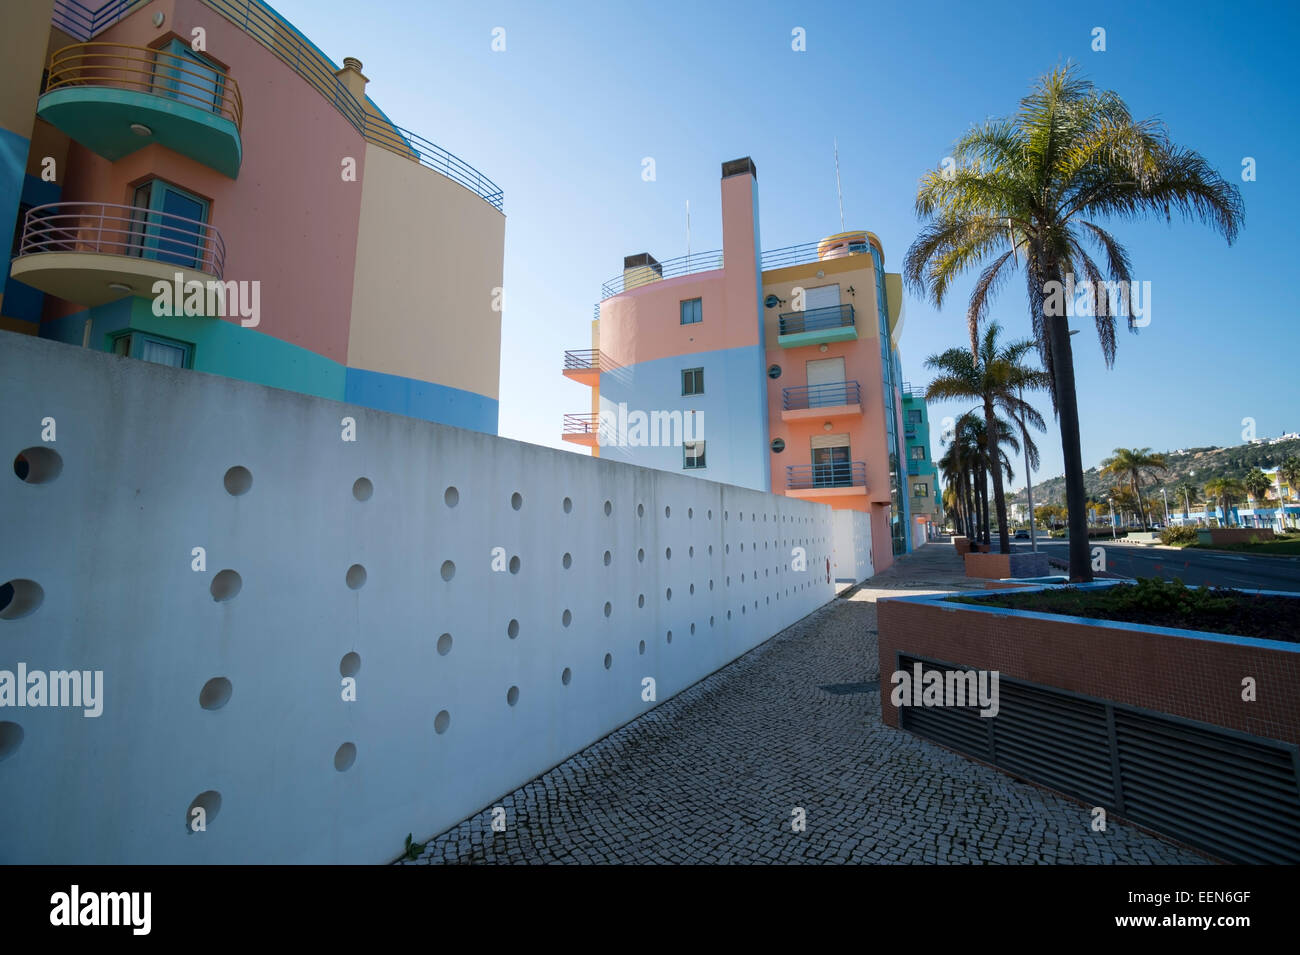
(692, 311)
(917, 452)
(774, 371)
(189, 77)
(778, 445)
(169, 225)
(693, 454)
(693, 381)
(913, 417)
(921, 489)
(161, 351)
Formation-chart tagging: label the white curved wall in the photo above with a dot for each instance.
(145, 450)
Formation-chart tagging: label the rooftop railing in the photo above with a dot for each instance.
(82, 23)
(809, 252)
(145, 70)
(101, 227)
(637, 276)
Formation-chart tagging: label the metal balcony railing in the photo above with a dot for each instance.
(82, 23)
(803, 477)
(101, 227)
(816, 319)
(582, 359)
(808, 252)
(581, 423)
(672, 268)
(833, 393)
(144, 70)
(432, 156)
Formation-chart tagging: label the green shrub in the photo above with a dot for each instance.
(1153, 595)
(1178, 536)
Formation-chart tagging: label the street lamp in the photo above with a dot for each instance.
(1165, 495)
(1113, 534)
(1190, 474)
(1281, 503)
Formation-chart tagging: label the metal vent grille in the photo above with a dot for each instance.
(1233, 795)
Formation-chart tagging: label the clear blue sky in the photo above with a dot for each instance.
(562, 119)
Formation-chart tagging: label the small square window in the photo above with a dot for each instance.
(921, 490)
(693, 454)
(917, 452)
(692, 311)
(693, 381)
(913, 416)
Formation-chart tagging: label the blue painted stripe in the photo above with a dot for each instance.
(422, 399)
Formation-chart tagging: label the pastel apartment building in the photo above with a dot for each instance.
(924, 494)
(154, 146)
(777, 371)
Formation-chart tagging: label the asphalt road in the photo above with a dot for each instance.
(1192, 566)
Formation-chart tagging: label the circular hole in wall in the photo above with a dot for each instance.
(444, 644)
(451, 497)
(774, 371)
(778, 445)
(215, 693)
(710, 621)
(448, 570)
(692, 628)
(345, 756)
(668, 553)
(609, 660)
(608, 558)
(608, 508)
(225, 585)
(356, 577)
(641, 648)
(640, 600)
(516, 500)
(640, 554)
(692, 588)
(362, 489)
(514, 565)
(566, 676)
(20, 597)
(512, 629)
(690, 512)
(11, 737)
(209, 802)
(441, 722)
(566, 618)
(668, 512)
(640, 510)
(38, 465)
(690, 551)
(670, 636)
(568, 505)
(609, 608)
(512, 695)
(350, 665)
(669, 593)
(238, 480)
(567, 561)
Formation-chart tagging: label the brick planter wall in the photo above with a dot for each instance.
(1233, 535)
(1179, 672)
(961, 545)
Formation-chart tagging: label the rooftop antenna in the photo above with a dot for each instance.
(838, 191)
(688, 235)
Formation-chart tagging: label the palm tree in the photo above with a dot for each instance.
(995, 377)
(1188, 493)
(1133, 465)
(1257, 486)
(1227, 491)
(1034, 183)
(1289, 472)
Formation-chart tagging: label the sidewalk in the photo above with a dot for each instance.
(933, 569)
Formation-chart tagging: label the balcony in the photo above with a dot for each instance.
(115, 99)
(584, 365)
(817, 326)
(820, 481)
(582, 429)
(830, 400)
(95, 252)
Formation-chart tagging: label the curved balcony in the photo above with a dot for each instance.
(96, 252)
(115, 99)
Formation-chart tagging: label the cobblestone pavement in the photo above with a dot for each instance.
(714, 776)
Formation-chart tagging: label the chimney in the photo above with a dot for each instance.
(639, 269)
(351, 77)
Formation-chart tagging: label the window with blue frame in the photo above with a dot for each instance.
(154, 348)
(168, 224)
(189, 77)
(692, 311)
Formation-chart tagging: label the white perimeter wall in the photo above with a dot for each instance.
(145, 450)
(851, 545)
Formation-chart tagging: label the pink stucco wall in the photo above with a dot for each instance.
(289, 220)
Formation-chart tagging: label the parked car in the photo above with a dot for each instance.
(1022, 535)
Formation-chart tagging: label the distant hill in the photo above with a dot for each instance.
(1206, 462)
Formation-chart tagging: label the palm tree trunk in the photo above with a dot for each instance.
(984, 502)
(1067, 411)
(999, 498)
(1142, 509)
